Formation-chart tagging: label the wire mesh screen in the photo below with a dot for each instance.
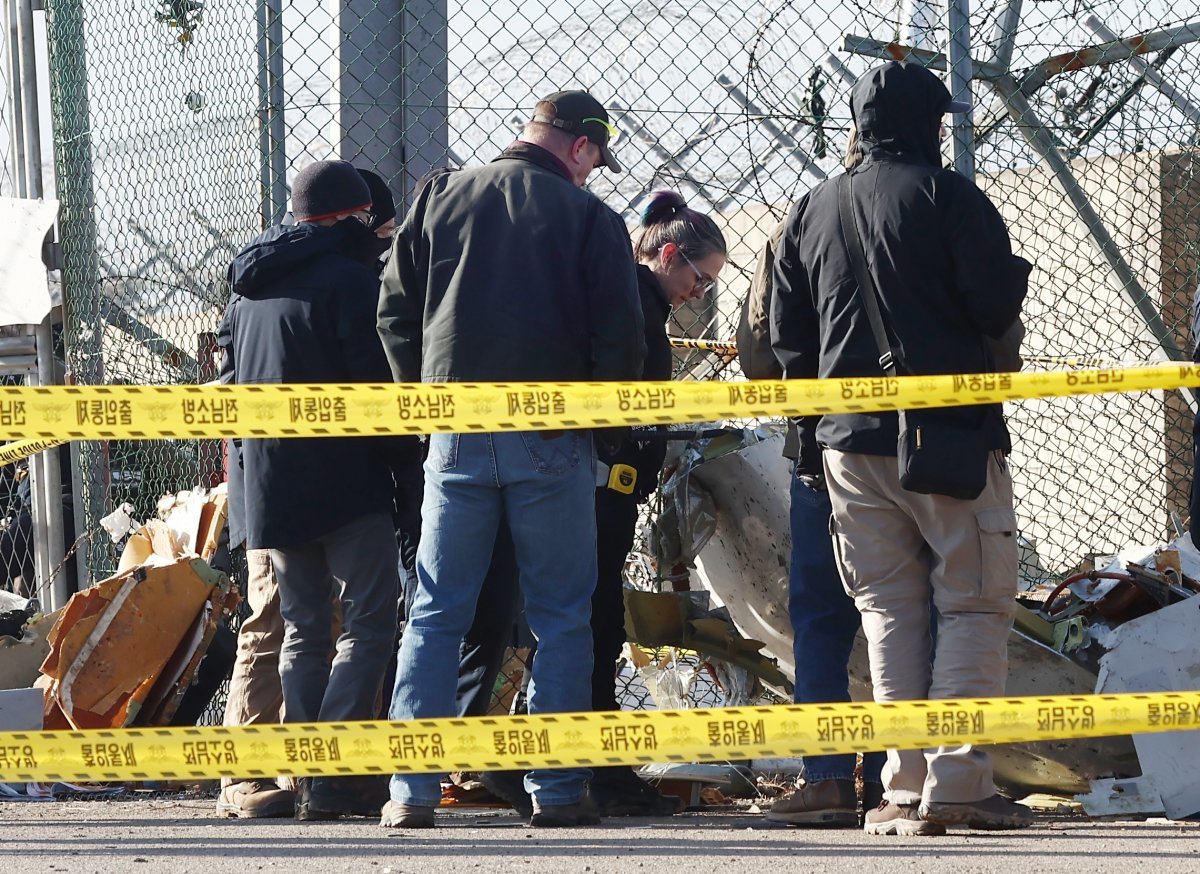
(179, 124)
(11, 154)
(17, 562)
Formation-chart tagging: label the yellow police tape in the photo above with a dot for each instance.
(727, 346)
(11, 452)
(192, 411)
(731, 347)
(574, 739)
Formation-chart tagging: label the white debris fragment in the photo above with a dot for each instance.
(1158, 653)
(119, 522)
(1122, 797)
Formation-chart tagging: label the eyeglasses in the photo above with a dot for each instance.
(704, 282)
(614, 132)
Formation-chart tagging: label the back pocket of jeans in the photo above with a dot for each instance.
(553, 456)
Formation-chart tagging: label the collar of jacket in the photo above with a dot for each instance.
(648, 281)
(522, 151)
(882, 154)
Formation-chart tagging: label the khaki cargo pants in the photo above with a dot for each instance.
(255, 693)
(899, 552)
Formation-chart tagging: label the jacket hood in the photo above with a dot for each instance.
(280, 251)
(897, 108)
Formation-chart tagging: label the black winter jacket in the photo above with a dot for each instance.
(510, 272)
(646, 456)
(937, 250)
(304, 312)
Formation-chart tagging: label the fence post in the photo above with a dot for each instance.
(392, 88)
(271, 130)
(958, 24)
(67, 30)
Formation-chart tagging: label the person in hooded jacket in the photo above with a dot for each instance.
(302, 310)
(939, 256)
(255, 694)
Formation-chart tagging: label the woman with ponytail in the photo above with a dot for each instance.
(679, 252)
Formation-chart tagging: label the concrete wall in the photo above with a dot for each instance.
(1093, 474)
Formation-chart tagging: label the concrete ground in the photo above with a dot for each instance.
(126, 837)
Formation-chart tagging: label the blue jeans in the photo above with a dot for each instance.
(544, 486)
(825, 621)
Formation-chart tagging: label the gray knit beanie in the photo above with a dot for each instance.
(325, 189)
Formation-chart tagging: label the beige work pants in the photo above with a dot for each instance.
(255, 692)
(899, 552)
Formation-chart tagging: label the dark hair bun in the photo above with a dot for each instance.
(663, 206)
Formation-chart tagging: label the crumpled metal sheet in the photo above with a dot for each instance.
(115, 640)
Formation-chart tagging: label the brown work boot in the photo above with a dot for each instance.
(991, 814)
(829, 803)
(255, 799)
(398, 815)
(872, 797)
(900, 819)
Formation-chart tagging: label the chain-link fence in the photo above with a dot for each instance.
(178, 125)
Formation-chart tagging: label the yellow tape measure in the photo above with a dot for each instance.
(152, 412)
(573, 739)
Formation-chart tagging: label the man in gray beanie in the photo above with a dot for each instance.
(302, 310)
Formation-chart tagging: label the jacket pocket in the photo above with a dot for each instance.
(553, 455)
(997, 554)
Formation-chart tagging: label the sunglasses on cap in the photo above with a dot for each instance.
(614, 132)
(566, 124)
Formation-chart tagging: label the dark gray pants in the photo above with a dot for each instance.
(360, 560)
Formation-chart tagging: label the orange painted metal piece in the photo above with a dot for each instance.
(131, 643)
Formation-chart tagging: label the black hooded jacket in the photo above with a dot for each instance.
(303, 311)
(936, 247)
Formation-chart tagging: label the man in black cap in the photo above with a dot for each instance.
(302, 310)
(510, 273)
(382, 221)
(902, 266)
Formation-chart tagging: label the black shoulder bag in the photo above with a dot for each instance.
(938, 454)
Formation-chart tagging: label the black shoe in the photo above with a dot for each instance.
(324, 798)
(509, 786)
(619, 791)
(582, 812)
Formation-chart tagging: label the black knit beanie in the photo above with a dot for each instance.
(325, 189)
(383, 208)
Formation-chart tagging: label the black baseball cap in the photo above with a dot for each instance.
(581, 114)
